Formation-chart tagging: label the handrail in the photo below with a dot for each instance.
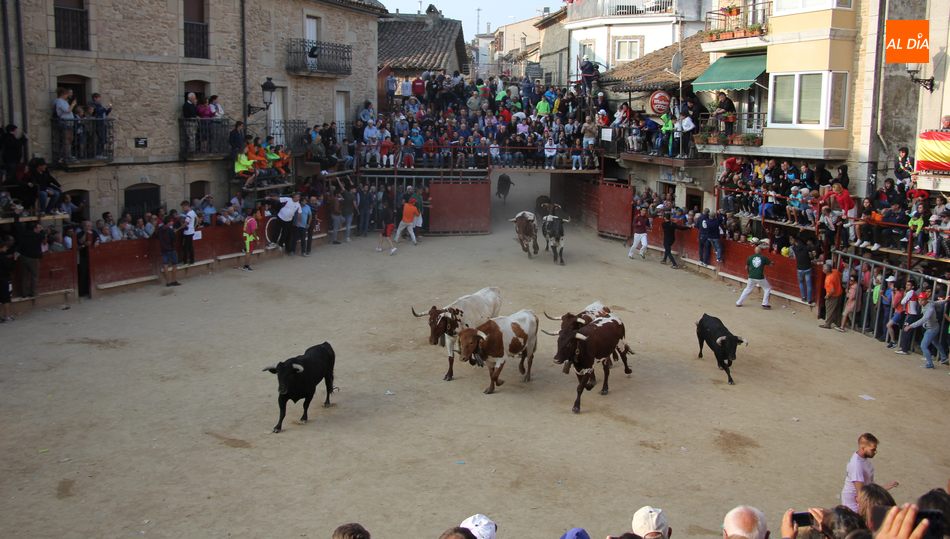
(748, 20)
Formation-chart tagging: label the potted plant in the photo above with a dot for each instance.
(740, 32)
(749, 139)
(731, 10)
(754, 30)
(722, 139)
(729, 117)
(757, 141)
(737, 139)
(726, 34)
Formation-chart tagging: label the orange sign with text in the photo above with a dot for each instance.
(907, 42)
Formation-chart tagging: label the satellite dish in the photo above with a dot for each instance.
(676, 65)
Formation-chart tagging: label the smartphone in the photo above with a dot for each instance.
(803, 519)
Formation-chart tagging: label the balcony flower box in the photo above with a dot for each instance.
(700, 138)
(730, 11)
(729, 118)
(740, 32)
(737, 139)
(726, 35)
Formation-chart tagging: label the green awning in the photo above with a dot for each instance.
(731, 73)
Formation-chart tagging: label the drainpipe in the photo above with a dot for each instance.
(24, 113)
(243, 63)
(8, 71)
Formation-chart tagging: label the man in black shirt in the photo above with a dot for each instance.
(669, 238)
(803, 261)
(7, 262)
(29, 245)
(725, 107)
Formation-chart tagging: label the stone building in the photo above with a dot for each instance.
(143, 57)
(554, 46)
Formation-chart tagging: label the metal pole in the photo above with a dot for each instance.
(24, 113)
(8, 67)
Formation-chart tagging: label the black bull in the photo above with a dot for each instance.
(720, 340)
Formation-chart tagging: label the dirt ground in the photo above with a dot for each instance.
(147, 413)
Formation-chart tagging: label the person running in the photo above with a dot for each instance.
(756, 267)
(641, 223)
(388, 225)
(286, 215)
(250, 236)
(409, 214)
(669, 238)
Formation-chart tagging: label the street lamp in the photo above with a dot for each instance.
(927, 84)
(267, 89)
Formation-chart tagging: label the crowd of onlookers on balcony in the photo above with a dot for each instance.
(80, 130)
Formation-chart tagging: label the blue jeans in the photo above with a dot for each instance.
(717, 246)
(348, 222)
(704, 250)
(804, 284)
(932, 336)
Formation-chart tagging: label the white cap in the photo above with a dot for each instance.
(602, 112)
(891, 279)
(649, 520)
(480, 526)
(586, 57)
(600, 94)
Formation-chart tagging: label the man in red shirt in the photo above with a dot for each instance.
(419, 89)
(641, 223)
(731, 166)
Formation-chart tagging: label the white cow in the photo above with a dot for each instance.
(501, 338)
(465, 312)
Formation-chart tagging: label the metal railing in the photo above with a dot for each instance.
(741, 20)
(72, 28)
(290, 134)
(306, 56)
(739, 129)
(85, 140)
(196, 40)
(204, 137)
(618, 8)
(480, 157)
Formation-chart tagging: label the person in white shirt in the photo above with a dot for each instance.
(63, 110)
(287, 214)
(682, 131)
(189, 220)
(860, 471)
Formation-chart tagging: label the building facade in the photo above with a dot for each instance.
(613, 32)
(144, 57)
(555, 41)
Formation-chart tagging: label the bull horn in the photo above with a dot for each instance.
(417, 315)
(270, 368)
(512, 220)
(745, 342)
(546, 332)
(551, 317)
(580, 336)
(297, 367)
(720, 340)
(481, 335)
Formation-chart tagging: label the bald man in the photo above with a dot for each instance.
(745, 522)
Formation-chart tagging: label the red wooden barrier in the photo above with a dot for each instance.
(219, 241)
(615, 212)
(57, 272)
(460, 207)
(122, 260)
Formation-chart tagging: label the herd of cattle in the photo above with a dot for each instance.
(552, 228)
(471, 328)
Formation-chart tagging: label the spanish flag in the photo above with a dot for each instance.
(933, 152)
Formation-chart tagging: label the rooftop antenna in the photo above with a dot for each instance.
(420, 7)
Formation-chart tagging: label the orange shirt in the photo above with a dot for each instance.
(833, 284)
(409, 212)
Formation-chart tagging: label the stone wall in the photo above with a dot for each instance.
(136, 62)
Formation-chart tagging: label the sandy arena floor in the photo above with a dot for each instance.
(147, 413)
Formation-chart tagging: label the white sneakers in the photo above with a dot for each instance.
(876, 246)
(864, 245)
(392, 251)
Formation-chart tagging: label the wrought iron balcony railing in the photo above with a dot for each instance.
(307, 57)
(84, 141)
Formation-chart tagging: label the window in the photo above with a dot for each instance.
(72, 25)
(783, 92)
(197, 87)
(196, 29)
(839, 99)
(786, 7)
(141, 198)
(587, 49)
(627, 49)
(808, 100)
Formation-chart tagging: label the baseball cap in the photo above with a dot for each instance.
(480, 526)
(923, 295)
(602, 112)
(649, 520)
(891, 279)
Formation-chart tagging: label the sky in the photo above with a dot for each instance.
(497, 12)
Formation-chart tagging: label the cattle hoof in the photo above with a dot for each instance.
(627, 370)
(328, 405)
(447, 378)
(576, 409)
(489, 391)
(603, 391)
(276, 430)
(499, 383)
(525, 379)
(731, 383)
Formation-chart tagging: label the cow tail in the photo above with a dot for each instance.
(329, 377)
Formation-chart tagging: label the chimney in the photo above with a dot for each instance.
(487, 27)
(547, 11)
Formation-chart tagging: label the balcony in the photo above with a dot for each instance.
(196, 40)
(83, 142)
(738, 21)
(591, 9)
(201, 138)
(72, 28)
(307, 57)
(742, 129)
(291, 134)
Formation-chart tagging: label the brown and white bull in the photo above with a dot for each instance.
(499, 339)
(467, 311)
(527, 230)
(600, 341)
